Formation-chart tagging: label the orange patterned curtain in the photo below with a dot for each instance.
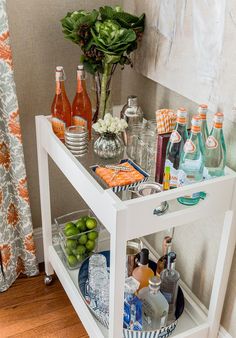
(17, 250)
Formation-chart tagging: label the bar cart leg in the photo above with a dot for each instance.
(117, 278)
(44, 200)
(222, 271)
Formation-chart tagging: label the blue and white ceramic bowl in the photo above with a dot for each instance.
(162, 333)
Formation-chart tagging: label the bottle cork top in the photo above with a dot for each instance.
(60, 73)
(80, 67)
(59, 68)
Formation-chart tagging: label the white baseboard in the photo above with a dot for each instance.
(38, 238)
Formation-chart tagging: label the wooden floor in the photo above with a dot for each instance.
(31, 309)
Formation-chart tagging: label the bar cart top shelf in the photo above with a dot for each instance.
(219, 193)
(126, 219)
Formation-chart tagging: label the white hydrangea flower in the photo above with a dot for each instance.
(110, 124)
(108, 117)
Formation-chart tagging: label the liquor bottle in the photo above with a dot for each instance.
(142, 273)
(61, 108)
(132, 319)
(192, 162)
(155, 307)
(202, 110)
(216, 148)
(175, 146)
(166, 249)
(169, 285)
(81, 107)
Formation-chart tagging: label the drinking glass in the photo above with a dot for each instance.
(103, 297)
(97, 261)
(97, 274)
(133, 133)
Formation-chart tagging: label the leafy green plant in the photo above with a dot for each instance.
(106, 37)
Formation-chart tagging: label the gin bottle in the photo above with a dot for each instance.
(155, 307)
(132, 306)
(202, 110)
(169, 285)
(216, 148)
(175, 146)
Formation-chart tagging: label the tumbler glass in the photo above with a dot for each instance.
(97, 274)
(103, 297)
(133, 133)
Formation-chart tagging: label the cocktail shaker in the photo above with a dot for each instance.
(132, 112)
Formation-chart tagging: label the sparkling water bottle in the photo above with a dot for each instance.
(202, 110)
(216, 148)
(175, 146)
(192, 162)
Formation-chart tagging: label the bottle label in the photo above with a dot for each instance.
(177, 177)
(189, 147)
(79, 121)
(211, 142)
(58, 127)
(175, 137)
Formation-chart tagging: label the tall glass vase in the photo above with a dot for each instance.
(102, 85)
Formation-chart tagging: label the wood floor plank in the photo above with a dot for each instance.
(31, 309)
(55, 328)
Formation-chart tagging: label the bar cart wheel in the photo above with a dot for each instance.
(48, 279)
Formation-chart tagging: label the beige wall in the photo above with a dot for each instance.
(197, 244)
(38, 46)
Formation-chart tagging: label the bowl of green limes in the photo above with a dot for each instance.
(78, 232)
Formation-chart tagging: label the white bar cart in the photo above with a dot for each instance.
(125, 220)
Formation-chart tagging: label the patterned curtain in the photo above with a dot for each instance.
(17, 250)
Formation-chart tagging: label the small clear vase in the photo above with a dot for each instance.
(109, 146)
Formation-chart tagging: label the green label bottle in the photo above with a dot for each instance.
(202, 110)
(216, 148)
(192, 161)
(175, 146)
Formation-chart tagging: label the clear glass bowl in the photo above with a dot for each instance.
(78, 233)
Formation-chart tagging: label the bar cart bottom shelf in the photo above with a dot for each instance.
(193, 320)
